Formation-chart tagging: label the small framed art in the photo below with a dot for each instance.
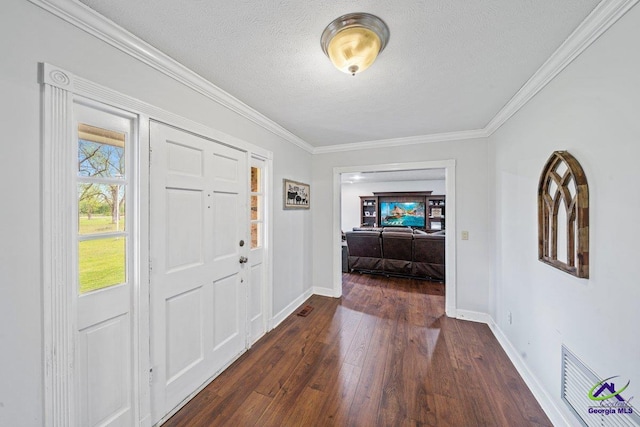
(296, 195)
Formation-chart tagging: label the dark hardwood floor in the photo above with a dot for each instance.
(382, 355)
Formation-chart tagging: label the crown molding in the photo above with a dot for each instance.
(603, 16)
(395, 142)
(599, 20)
(97, 25)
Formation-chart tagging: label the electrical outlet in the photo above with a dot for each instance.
(465, 235)
(510, 318)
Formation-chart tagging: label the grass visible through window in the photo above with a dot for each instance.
(99, 224)
(102, 262)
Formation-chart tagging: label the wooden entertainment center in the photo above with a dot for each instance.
(434, 208)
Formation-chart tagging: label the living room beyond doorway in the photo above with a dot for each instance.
(403, 240)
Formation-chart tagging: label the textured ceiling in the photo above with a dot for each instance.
(450, 65)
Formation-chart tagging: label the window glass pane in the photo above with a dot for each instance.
(255, 180)
(100, 152)
(101, 208)
(255, 208)
(256, 235)
(101, 263)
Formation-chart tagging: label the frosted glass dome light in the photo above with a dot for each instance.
(352, 42)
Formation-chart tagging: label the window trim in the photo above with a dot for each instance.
(126, 181)
(261, 205)
(59, 88)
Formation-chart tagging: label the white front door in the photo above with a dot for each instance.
(105, 342)
(198, 245)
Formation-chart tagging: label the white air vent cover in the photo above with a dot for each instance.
(577, 381)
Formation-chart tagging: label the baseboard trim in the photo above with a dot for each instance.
(555, 413)
(473, 316)
(289, 309)
(325, 292)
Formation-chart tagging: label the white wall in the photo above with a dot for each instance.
(471, 198)
(30, 35)
(592, 110)
(350, 195)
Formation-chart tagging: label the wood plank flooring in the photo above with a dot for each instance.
(382, 355)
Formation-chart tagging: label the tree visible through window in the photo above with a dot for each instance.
(102, 185)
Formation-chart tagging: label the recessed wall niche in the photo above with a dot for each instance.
(563, 215)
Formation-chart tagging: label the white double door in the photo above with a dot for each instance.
(198, 237)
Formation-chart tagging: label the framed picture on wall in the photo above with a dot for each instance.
(296, 195)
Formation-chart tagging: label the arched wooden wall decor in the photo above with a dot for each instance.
(563, 191)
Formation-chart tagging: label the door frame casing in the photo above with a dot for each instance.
(450, 239)
(58, 88)
(59, 240)
(265, 296)
(93, 113)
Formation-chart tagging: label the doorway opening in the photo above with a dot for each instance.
(447, 171)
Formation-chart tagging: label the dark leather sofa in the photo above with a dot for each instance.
(397, 251)
(365, 250)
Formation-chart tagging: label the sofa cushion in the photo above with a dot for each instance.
(367, 229)
(397, 252)
(398, 229)
(417, 254)
(365, 250)
(428, 256)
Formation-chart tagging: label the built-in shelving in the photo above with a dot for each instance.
(435, 208)
(368, 211)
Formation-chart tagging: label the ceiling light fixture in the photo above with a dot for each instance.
(353, 41)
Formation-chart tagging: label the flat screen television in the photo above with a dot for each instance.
(406, 214)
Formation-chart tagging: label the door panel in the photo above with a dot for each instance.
(230, 227)
(104, 351)
(226, 214)
(256, 313)
(225, 326)
(104, 308)
(184, 159)
(226, 170)
(185, 225)
(184, 333)
(198, 203)
(95, 307)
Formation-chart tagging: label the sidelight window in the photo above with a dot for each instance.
(257, 206)
(102, 191)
